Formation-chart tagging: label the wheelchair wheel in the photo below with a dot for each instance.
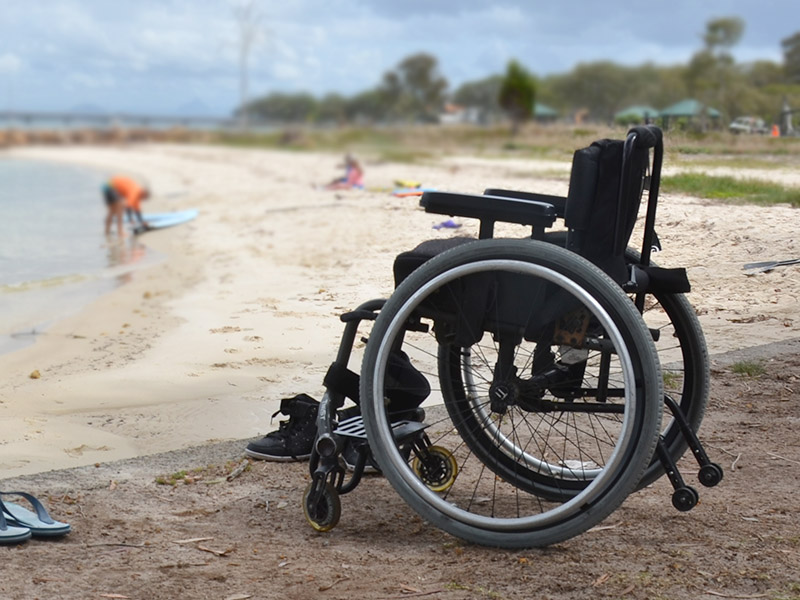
(683, 356)
(561, 416)
(324, 513)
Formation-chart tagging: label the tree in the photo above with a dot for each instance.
(791, 57)
(517, 95)
(711, 75)
(483, 95)
(284, 108)
(415, 89)
(723, 33)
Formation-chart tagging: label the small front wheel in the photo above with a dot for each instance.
(324, 512)
(685, 498)
(710, 474)
(437, 468)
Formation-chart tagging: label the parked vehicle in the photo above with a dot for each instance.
(748, 125)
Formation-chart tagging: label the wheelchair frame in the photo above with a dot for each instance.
(646, 448)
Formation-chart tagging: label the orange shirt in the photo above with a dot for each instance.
(131, 191)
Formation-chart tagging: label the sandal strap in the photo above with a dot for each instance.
(41, 511)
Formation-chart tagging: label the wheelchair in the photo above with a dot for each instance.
(515, 391)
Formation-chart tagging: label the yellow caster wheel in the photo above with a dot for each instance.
(437, 470)
(322, 515)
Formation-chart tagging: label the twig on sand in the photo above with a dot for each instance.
(773, 455)
(142, 545)
(216, 552)
(192, 540)
(721, 595)
(238, 470)
(326, 587)
(736, 460)
(412, 595)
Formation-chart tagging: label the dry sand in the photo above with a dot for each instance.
(202, 346)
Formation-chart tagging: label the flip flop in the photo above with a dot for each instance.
(11, 534)
(38, 523)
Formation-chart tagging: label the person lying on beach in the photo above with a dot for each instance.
(353, 176)
(124, 194)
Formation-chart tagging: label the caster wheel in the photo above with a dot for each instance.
(710, 474)
(438, 470)
(324, 514)
(685, 498)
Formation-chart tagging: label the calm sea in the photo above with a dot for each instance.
(54, 256)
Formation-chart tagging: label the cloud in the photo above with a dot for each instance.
(10, 63)
(156, 51)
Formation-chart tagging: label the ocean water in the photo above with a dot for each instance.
(54, 256)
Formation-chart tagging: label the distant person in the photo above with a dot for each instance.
(123, 194)
(353, 176)
(115, 206)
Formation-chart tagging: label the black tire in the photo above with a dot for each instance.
(547, 499)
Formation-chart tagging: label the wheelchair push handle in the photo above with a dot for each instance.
(647, 136)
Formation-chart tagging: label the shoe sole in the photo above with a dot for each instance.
(270, 457)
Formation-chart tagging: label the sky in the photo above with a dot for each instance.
(164, 57)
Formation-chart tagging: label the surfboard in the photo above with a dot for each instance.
(416, 191)
(168, 219)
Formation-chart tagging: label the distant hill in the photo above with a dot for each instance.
(87, 109)
(195, 108)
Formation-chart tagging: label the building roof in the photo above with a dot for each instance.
(688, 108)
(638, 111)
(542, 110)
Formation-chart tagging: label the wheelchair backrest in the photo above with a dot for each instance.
(606, 186)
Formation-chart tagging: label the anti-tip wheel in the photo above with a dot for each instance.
(438, 469)
(710, 474)
(323, 515)
(685, 498)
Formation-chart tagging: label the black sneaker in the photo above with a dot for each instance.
(294, 439)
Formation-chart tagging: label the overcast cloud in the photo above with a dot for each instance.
(165, 56)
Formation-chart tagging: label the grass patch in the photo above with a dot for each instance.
(747, 191)
(671, 380)
(749, 368)
(209, 474)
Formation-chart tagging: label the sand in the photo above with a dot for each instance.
(243, 311)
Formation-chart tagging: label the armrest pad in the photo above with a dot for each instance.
(490, 208)
(558, 202)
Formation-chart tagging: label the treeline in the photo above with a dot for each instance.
(416, 91)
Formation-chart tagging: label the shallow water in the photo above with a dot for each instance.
(54, 256)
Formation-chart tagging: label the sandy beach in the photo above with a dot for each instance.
(243, 311)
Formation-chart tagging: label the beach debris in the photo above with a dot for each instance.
(327, 586)
(193, 540)
(216, 552)
(239, 597)
(115, 596)
(448, 224)
(767, 266)
(240, 468)
(35, 374)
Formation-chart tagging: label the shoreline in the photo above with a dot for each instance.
(244, 310)
(145, 468)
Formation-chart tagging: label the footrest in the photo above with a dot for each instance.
(401, 430)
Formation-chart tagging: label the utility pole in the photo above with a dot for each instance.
(248, 20)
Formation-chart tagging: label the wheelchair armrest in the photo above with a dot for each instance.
(558, 202)
(490, 209)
